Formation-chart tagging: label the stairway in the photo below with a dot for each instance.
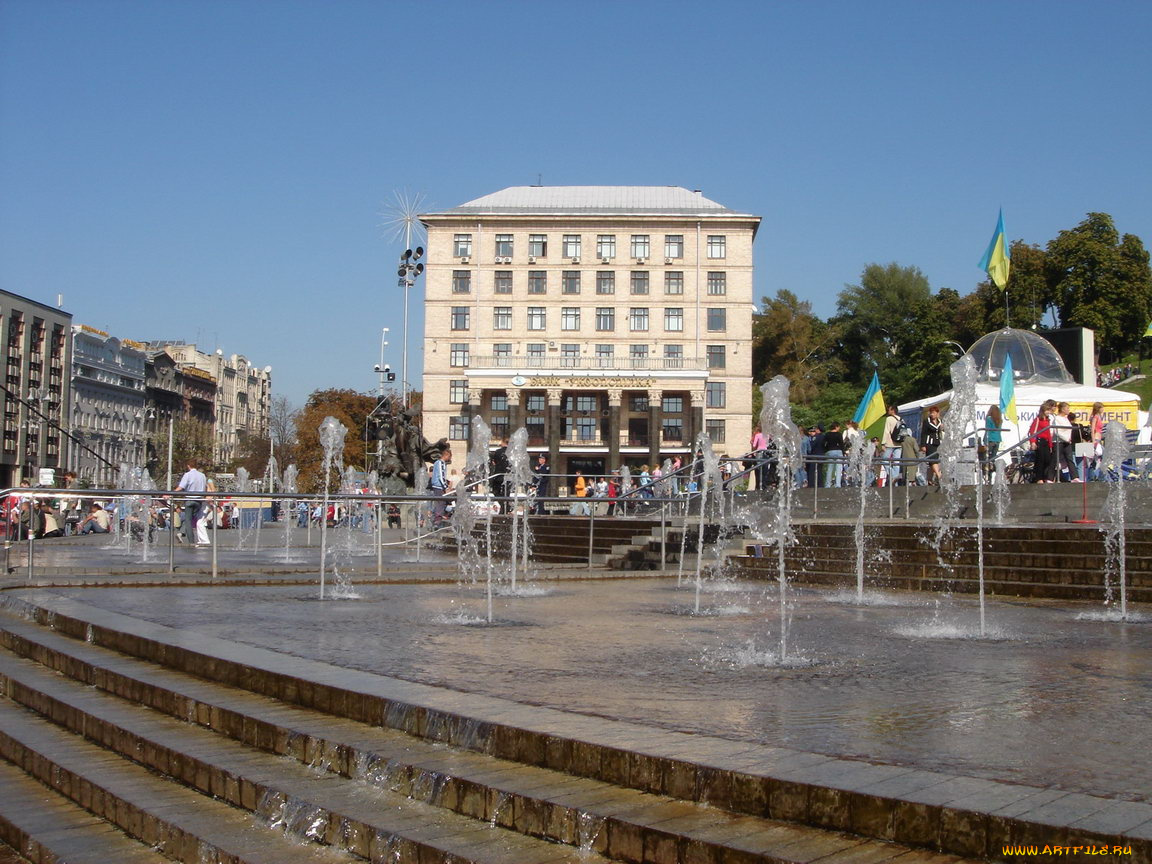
(106, 755)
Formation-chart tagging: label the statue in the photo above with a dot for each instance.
(404, 451)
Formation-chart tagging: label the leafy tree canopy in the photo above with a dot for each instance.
(350, 408)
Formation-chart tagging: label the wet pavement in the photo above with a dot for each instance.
(1050, 700)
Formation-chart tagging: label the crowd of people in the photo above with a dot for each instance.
(1112, 377)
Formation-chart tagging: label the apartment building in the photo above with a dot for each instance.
(35, 395)
(614, 322)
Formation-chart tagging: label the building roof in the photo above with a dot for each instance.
(592, 200)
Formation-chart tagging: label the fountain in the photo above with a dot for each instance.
(859, 463)
(777, 425)
(519, 476)
(709, 478)
(332, 434)
(1116, 453)
(243, 485)
(959, 423)
(288, 487)
(464, 516)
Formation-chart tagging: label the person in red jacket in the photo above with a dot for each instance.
(1040, 433)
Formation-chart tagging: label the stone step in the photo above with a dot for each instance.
(929, 809)
(183, 824)
(46, 827)
(625, 824)
(320, 807)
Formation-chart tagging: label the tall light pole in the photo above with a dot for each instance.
(381, 368)
(408, 271)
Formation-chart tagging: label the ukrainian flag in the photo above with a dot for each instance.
(997, 261)
(871, 410)
(1008, 391)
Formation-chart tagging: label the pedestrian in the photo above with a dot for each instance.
(193, 482)
(542, 474)
(439, 486)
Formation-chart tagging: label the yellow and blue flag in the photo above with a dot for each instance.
(871, 410)
(1008, 391)
(997, 260)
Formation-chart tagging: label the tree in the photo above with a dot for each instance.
(877, 321)
(252, 455)
(1028, 292)
(282, 429)
(787, 339)
(1102, 281)
(347, 406)
(191, 439)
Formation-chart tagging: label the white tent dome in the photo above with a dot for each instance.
(1034, 360)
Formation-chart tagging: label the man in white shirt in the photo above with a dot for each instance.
(192, 481)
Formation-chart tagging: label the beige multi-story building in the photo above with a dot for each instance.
(243, 395)
(614, 322)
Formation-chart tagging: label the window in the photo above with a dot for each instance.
(714, 394)
(461, 317)
(640, 282)
(503, 283)
(604, 356)
(458, 428)
(503, 245)
(462, 245)
(715, 356)
(569, 355)
(502, 353)
(498, 402)
(673, 245)
(672, 428)
(638, 356)
(637, 404)
(458, 391)
(459, 354)
(461, 281)
(715, 430)
(638, 318)
(605, 282)
(537, 318)
(570, 282)
(535, 353)
(717, 283)
(605, 245)
(673, 356)
(674, 319)
(537, 281)
(717, 320)
(672, 405)
(717, 246)
(571, 245)
(586, 428)
(570, 318)
(674, 282)
(641, 246)
(605, 319)
(538, 245)
(534, 402)
(502, 318)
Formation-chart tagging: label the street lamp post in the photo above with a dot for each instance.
(408, 271)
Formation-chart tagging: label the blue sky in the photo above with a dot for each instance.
(219, 171)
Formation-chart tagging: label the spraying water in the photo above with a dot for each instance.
(859, 461)
(288, 487)
(955, 468)
(710, 479)
(332, 434)
(777, 425)
(519, 476)
(476, 473)
(1116, 453)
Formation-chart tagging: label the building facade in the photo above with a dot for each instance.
(109, 411)
(243, 395)
(35, 398)
(613, 322)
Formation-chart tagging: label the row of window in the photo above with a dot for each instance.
(571, 245)
(715, 396)
(460, 353)
(639, 282)
(570, 317)
(582, 428)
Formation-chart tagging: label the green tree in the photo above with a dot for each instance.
(347, 406)
(891, 322)
(1102, 281)
(787, 339)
